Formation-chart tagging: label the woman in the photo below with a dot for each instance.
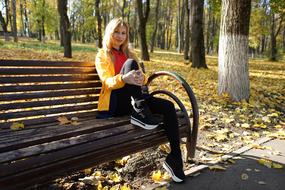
(121, 93)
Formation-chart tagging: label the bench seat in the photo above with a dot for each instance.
(36, 94)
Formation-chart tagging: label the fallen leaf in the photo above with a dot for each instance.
(63, 120)
(277, 166)
(156, 176)
(17, 126)
(217, 167)
(125, 187)
(265, 162)
(261, 183)
(116, 187)
(115, 177)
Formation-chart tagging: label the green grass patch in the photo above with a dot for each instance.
(45, 47)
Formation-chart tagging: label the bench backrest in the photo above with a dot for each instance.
(36, 92)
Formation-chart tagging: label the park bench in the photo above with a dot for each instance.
(36, 93)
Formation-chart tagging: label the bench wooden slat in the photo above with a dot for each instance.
(28, 104)
(33, 79)
(60, 144)
(30, 71)
(17, 88)
(48, 119)
(56, 132)
(45, 63)
(6, 116)
(48, 94)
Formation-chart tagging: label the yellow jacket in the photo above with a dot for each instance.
(106, 71)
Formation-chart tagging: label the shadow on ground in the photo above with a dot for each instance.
(259, 177)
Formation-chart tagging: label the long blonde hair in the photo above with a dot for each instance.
(107, 39)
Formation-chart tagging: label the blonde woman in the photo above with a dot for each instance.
(121, 93)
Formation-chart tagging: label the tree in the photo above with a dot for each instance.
(233, 48)
(277, 15)
(155, 26)
(99, 22)
(197, 36)
(143, 12)
(14, 25)
(65, 27)
(187, 29)
(4, 27)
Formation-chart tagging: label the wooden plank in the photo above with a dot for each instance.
(29, 63)
(7, 116)
(70, 152)
(81, 161)
(28, 104)
(44, 148)
(32, 79)
(47, 94)
(47, 119)
(56, 132)
(17, 88)
(29, 71)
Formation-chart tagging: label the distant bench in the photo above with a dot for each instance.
(36, 93)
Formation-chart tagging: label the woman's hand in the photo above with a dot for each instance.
(134, 77)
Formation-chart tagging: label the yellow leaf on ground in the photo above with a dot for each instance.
(17, 126)
(245, 125)
(88, 171)
(115, 177)
(116, 187)
(277, 166)
(126, 187)
(99, 186)
(63, 120)
(217, 167)
(265, 162)
(156, 176)
(123, 160)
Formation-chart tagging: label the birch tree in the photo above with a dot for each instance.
(233, 49)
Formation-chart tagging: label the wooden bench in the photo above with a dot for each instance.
(37, 93)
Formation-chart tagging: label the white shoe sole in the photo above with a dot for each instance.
(170, 171)
(136, 122)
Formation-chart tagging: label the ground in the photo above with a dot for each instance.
(224, 126)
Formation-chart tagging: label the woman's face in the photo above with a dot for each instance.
(119, 36)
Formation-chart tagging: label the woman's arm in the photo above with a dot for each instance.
(104, 71)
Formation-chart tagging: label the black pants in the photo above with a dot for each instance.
(120, 104)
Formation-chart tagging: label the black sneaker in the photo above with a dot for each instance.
(174, 167)
(142, 116)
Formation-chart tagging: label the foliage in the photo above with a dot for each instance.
(224, 125)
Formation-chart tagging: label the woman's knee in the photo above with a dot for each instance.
(131, 64)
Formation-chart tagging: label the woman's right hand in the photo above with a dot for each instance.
(133, 77)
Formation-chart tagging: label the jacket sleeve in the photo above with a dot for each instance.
(104, 71)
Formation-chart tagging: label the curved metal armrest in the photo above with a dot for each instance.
(195, 111)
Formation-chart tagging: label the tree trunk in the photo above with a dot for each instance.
(14, 26)
(155, 26)
(197, 36)
(284, 39)
(4, 27)
(99, 22)
(273, 52)
(233, 49)
(43, 24)
(143, 16)
(23, 33)
(65, 27)
(187, 30)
